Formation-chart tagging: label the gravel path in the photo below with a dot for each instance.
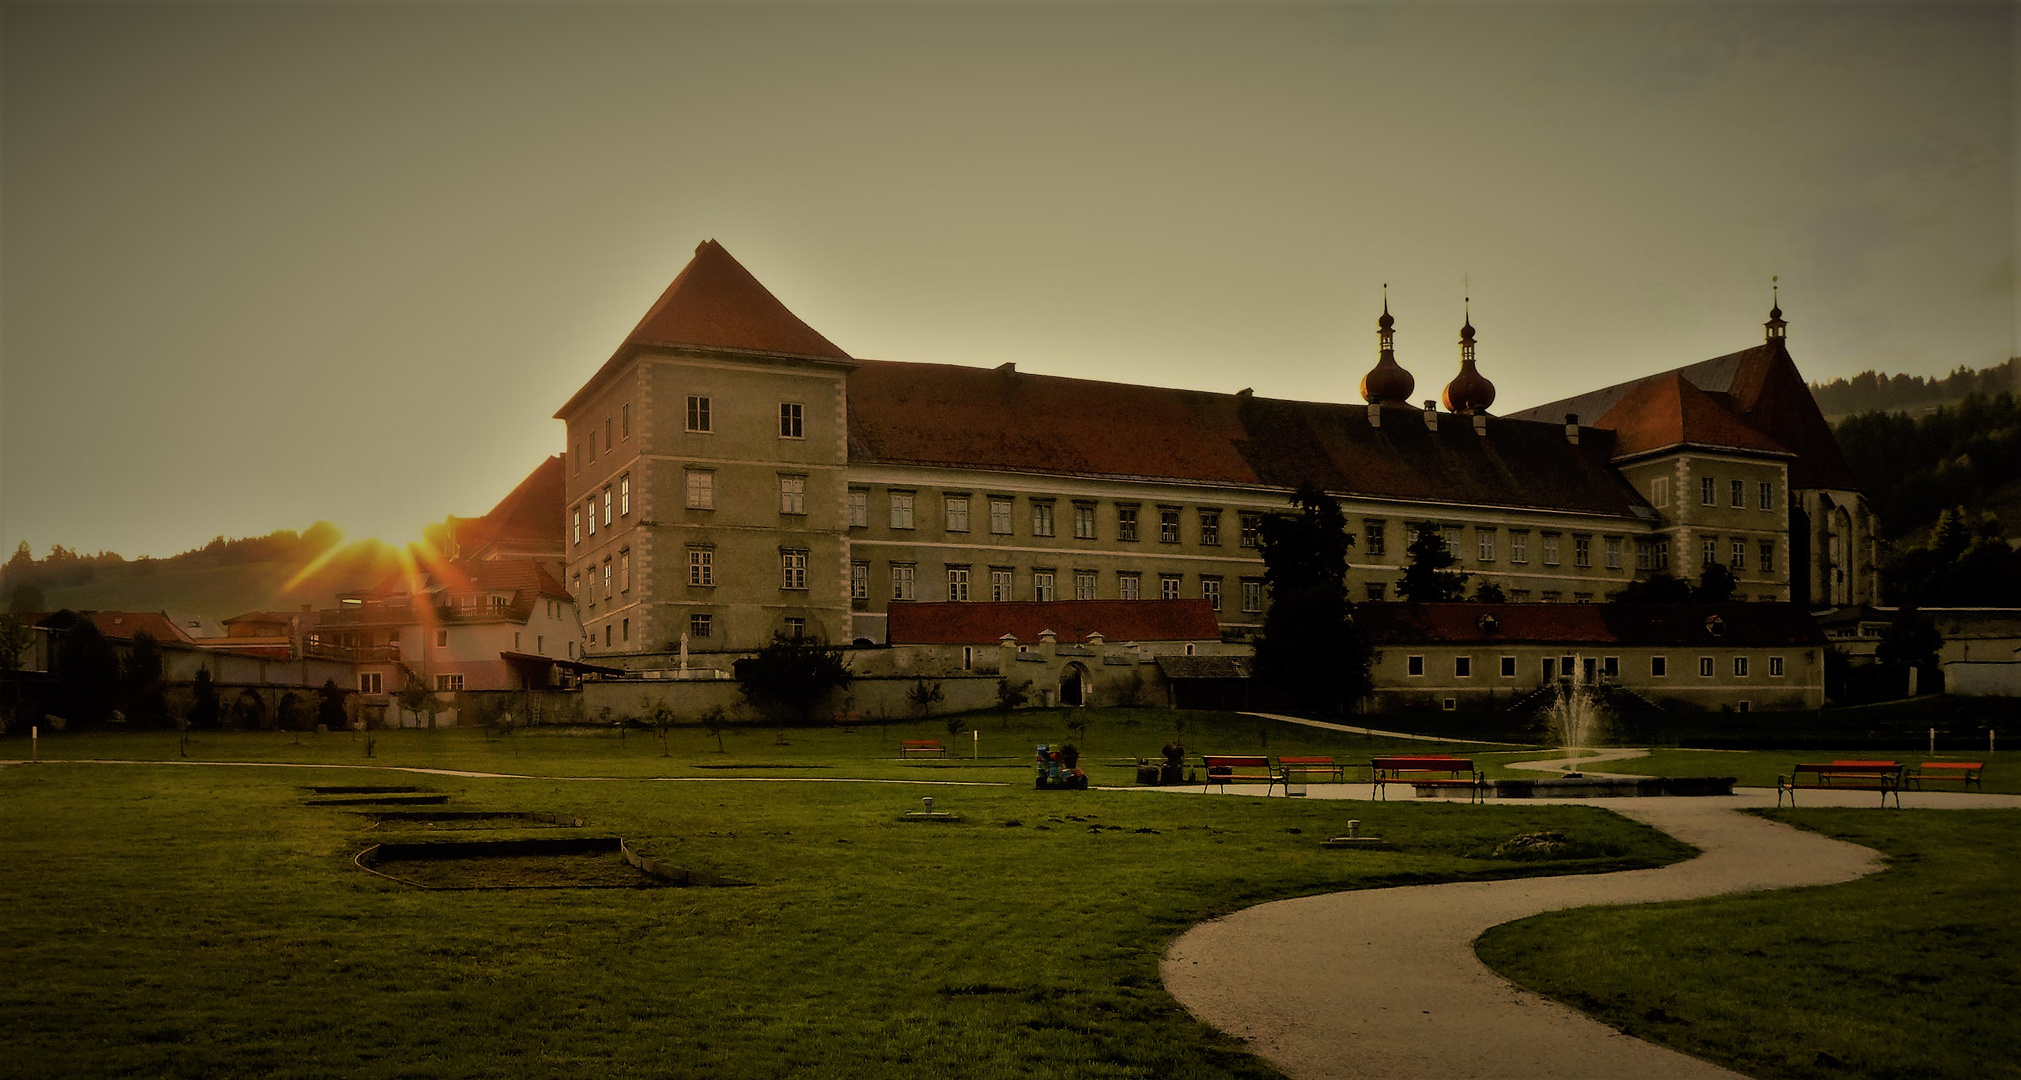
(1384, 982)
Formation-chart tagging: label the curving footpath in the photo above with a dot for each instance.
(1384, 983)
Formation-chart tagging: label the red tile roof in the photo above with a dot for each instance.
(1589, 624)
(714, 303)
(1118, 621)
(942, 415)
(1665, 410)
(125, 624)
(530, 512)
(527, 579)
(1766, 392)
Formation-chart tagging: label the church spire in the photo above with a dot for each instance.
(1777, 329)
(1387, 383)
(1470, 391)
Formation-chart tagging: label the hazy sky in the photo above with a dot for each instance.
(264, 265)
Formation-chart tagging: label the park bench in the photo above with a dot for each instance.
(921, 748)
(1881, 776)
(1225, 769)
(1311, 766)
(1428, 771)
(1966, 774)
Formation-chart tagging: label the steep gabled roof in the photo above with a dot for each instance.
(1005, 420)
(1118, 621)
(1767, 393)
(531, 512)
(1667, 410)
(714, 303)
(527, 579)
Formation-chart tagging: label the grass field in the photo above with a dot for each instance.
(1759, 768)
(171, 920)
(1911, 973)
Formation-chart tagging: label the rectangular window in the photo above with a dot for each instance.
(1775, 666)
(1582, 551)
(791, 417)
(701, 490)
(1130, 585)
(1451, 536)
(625, 631)
(1519, 596)
(859, 509)
(1709, 552)
(1042, 518)
(1519, 546)
(1551, 596)
(859, 581)
(1659, 491)
(792, 494)
(625, 570)
(607, 505)
(1084, 585)
(1000, 516)
(1252, 596)
(607, 444)
(1374, 532)
(1508, 667)
(1168, 525)
(1767, 553)
(957, 513)
(1767, 496)
(1484, 541)
(1252, 529)
(590, 509)
(1001, 587)
(575, 583)
(1582, 598)
(1042, 586)
(1663, 555)
(578, 457)
(1737, 497)
(577, 516)
(1613, 553)
(371, 682)
(1659, 667)
(957, 583)
(607, 577)
(1126, 523)
(796, 628)
(701, 626)
(1210, 591)
(1645, 554)
(1740, 665)
(1375, 590)
(902, 576)
(625, 420)
(901, 509)
(1550, 549)
(698, 414)
(1463, 667)
(1414, 666)
(625, 495)
(1084, 521)
(449, 682)
(792, 569)
(1708, 491)
(1210, 528)
(1705, 667)
(1739, 556)
(1611, 667)
(1168, 586)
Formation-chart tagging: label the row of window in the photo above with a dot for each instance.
(701, 418)
(622, 578)
(616, 497)
(1708, 493)
(623, 434)
(1606, 667)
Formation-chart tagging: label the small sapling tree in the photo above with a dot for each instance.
(712, 722)
(413, 698)
(924, 695)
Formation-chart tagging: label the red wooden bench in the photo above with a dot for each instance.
(1965, 774)
(1428, 771)
(921, 748)
(1225, 769)
(1881, 776)
(1310, 766)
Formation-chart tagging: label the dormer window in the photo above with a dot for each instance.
(1488, 624)
(1715, 626)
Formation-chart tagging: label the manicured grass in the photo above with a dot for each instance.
(1914, 972)
(203, 921)
(1759, 768)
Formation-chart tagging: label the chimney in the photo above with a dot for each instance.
(1007, 369)
(1374, 415)
(1048, 642)
(1431, 415)
(1094, 640)
(1572, 428)
(1481, 424)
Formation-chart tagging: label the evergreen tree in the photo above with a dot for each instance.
(1429, 576)
(1660, 587)
(143, 696)
(330, 710)
(87, 675)
(1715, 585)
(1910, 640)
(204, 710)
(1309, 645)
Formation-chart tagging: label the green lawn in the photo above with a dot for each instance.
(171, 921)
(1759, 768)
(1911, 973)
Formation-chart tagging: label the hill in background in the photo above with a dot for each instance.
(221, 579)
(1871, 391)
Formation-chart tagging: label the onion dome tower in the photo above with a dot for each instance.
(1470, 391)
(1777, 329)
(1387, 383)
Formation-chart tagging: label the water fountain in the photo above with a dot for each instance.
(1577, 721)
